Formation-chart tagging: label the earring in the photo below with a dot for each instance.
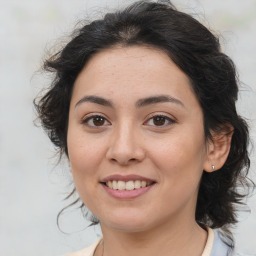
(213, 168)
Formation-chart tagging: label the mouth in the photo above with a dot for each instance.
(127, 185)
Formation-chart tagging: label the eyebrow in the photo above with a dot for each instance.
(97, 100)
(140, 103)
(157, 99)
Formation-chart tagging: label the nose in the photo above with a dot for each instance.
(125, 146)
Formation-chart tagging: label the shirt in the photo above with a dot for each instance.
(214, 246)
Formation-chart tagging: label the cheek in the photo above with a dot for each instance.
(179, 165)
(179, 154)
(85, 158)
(85, 154)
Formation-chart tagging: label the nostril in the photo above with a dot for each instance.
(123, 161)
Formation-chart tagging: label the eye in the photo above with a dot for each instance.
(160, 121)
(95, 121)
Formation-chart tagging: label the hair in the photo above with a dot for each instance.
(196, 51)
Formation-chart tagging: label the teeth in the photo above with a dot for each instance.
(121, 185)
(114, 184)
(109, 184)
(137, 183)
(129, 185)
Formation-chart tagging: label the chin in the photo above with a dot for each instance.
(129, 227)
(127, 223)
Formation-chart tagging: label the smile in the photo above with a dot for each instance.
(128, 185)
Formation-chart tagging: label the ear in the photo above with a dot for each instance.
(218, 149)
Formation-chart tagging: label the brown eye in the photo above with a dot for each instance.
(159, 120)
(95, 121)
(98, 121)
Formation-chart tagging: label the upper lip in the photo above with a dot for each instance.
(126, 178)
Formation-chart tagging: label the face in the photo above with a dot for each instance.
(136, 141)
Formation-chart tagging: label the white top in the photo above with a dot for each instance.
(214, 246)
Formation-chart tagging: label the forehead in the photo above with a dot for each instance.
(121, 62)
(132, 71)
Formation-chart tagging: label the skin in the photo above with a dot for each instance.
(128, 140)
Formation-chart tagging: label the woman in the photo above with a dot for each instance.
(143, 106)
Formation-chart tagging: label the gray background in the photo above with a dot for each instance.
(32, 187)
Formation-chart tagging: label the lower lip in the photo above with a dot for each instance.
(127, 194)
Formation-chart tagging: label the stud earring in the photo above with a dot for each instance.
(213, 168)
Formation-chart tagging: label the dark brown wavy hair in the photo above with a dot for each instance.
(196, 51)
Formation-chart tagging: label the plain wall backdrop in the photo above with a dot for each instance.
(32, 187)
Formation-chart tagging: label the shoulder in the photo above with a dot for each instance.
(217, 244)
(221, 245)
(88, 251)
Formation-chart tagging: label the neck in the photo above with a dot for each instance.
(170, 239)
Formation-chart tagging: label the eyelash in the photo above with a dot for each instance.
(86, 121)
(166, 118)
(91, 118)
